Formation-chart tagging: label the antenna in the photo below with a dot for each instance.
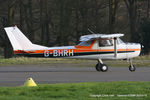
(91, 31)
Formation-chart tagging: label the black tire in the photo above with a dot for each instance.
(132, 68)
(98, 68)
(101, 67)
(104, 67)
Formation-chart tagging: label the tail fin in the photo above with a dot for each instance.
(19, 41)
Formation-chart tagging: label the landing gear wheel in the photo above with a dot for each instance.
(101, 67)
(98, 68)
(132, 68)
(104, 67)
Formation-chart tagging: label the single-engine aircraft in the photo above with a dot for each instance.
(94, 46)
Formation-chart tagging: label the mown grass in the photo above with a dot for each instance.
(79, 91)
(142, 61)
(26, 60)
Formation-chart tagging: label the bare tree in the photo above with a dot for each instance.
(113, 5)
(132, 11)
(9, 21)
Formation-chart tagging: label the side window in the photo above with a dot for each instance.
(111, 42)
(103, 43)
(85, 43)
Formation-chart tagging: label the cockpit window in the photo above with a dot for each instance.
(108, 42)
(85, 43)
(120, 41)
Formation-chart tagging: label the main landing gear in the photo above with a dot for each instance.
(103, 67)
(131, 67)
(100, 66)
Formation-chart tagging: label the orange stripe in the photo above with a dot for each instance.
(75, 50)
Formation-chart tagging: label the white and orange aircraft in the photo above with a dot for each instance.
(94, 46)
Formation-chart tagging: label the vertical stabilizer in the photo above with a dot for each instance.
(18, 40)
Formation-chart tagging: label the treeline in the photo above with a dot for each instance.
(62, 22)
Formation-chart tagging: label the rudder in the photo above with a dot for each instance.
(18, 40)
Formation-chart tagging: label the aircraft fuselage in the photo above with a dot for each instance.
(124, 51)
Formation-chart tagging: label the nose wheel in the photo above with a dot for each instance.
(132, 68)
(101, 67)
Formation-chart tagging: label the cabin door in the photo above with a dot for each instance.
(105, 48)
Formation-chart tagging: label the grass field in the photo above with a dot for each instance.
(80, 91)
(143, 61)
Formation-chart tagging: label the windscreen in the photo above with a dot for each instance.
(120, 41)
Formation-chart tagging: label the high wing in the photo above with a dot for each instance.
(97, 36)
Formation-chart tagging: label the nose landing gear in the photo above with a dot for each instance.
(131, 67)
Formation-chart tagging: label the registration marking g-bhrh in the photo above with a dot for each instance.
(63, 52)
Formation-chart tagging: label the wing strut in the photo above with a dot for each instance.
(115, 47)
